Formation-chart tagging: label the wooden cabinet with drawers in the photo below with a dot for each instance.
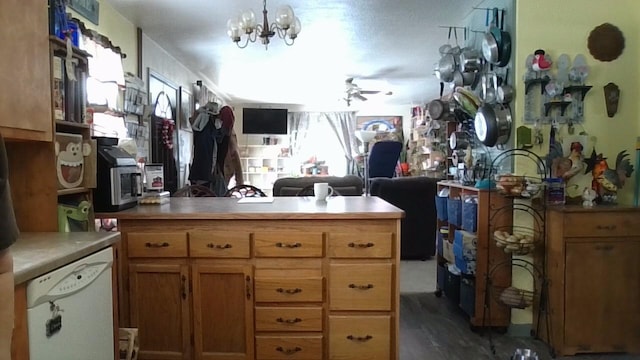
(594, 279)
(262, 289)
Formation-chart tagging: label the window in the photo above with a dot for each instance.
(321, 152)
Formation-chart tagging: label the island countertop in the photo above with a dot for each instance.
(282, 208)
(35, 254)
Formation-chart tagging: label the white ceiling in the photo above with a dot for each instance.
(389, 45)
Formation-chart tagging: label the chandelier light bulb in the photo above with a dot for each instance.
(295, 28)
(248, 20)
(233, 29)
(284, 17)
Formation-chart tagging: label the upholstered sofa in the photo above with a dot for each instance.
(416, 196)
(350, 185)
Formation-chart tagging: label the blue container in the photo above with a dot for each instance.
(441, 277)
(468, 294)
(439, 243)
(452, 287)
(454, 211)
(470, 216)
(465, 259)
(441, 207)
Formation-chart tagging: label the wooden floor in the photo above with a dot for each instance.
(432, 328)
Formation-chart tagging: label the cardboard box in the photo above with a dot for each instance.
(72, 157)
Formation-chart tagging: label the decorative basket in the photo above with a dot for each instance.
(513, 297)
(518, 186)
(517, 240)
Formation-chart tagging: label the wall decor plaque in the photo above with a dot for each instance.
(605, 42)
(90, 9)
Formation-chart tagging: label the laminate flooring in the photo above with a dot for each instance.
(433, 328)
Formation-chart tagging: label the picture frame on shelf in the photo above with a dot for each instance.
(186, 109)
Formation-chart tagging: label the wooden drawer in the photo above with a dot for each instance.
(307, 347)
(601, 224)
(360, 337)
(360, 245)
(160, 245)
(289, 289)
(219, 244)
(288, 318)
(360, 286)
(288, 244)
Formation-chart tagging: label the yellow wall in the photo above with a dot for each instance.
(119, 30)
(563, 27)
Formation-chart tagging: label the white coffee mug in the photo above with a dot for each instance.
(321, 191)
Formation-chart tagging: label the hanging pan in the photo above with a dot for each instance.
(491, 40)
(505, 44)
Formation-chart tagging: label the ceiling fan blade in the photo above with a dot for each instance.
(359, 97)
(369, 91)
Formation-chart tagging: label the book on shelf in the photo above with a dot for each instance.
(58, 88)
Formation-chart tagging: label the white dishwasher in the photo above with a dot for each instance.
(70, 311)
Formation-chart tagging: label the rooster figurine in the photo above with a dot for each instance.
(540, 61)
(568, 167)
(606, 181)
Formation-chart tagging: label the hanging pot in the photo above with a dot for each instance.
(504, 92)
(446, 67)
(493, 124)
(470, 60)
(459, 140)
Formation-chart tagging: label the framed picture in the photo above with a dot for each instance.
(186, 109)
(388, 127)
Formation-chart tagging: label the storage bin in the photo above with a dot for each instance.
(452, 287)
(465, 259)
(447, 251)
(454, 211)
(465, 239)
(470, 216)
(468, 294)
(439, 243)
(441, 207)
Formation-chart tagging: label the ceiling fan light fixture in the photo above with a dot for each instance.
(286, 25)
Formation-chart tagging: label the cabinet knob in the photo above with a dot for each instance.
(157, 245)
(361, 245)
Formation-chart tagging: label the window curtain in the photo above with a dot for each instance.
(298, 123)
(344, 125)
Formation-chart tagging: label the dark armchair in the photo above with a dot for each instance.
(416, 196)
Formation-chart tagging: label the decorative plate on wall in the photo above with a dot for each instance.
(606, 42)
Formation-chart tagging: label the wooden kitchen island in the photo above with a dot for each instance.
(211, 278)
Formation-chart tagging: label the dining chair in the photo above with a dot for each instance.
(194, 191)
(243, 191)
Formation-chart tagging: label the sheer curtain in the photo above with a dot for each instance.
(298, 123)
(344, 125)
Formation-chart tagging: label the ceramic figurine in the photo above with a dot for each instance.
(606, 181)
(588, 197)
(568, 167)
(540, 61)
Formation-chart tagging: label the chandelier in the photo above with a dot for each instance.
(286, 25)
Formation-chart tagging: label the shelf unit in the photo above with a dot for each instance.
(262, 165)
(69, 106)
(486, 256)
(426, 138)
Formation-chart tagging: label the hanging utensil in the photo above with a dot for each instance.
(505, 93)
(491, 39)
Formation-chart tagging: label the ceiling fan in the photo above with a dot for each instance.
(353, 91)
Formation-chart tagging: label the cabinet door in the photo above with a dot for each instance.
(602, 299)
(223, 311)
(25, 103)
(159, 308)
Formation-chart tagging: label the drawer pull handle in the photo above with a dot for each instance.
(288, 321)
(359, 338)
(289, 291)
(221, 247)
(290, 246)
(604, 247)
(289, 351)
(367, 245)
(606, 227)
(361, 287)
(157, 245)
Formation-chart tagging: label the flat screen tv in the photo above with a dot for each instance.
(264, 121)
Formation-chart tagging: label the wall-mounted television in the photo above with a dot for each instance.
(264, 121)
